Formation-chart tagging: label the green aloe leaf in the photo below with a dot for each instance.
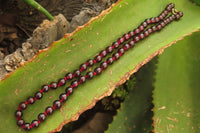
(68, 53)
(177, 86)
(135, 115)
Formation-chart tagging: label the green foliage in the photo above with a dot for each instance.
(66, 55)
(177, 92)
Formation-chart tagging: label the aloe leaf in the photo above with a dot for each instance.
(135, 115)
(177, 86)
(68, 53)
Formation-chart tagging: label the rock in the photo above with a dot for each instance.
(48, 32)
(13, 61)
(28, 51)
(82, 18)
(2, 71)
(1, 55)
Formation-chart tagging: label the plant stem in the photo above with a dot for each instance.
(37, 6)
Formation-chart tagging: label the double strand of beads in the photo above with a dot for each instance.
(137, 36)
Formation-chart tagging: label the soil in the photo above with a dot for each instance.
(17, 23)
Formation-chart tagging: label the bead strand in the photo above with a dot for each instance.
(89, 75)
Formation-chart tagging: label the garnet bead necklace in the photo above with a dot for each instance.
(128, 40)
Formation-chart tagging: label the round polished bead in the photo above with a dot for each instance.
(38, 95)
(141, 36)
(83, 67)
(109, 60)
(131, 43)
(74, 84)
(116, 55)
(165, 12)
(168, 20)
(45, 88)
(109, 49)
(148, 21)
(76, 73)
(97, 70)
(35, 123)
(90, 62)
(49, 110)
(27, 126)
(150, 30)
(126, 46)
(69, 90)
(115, 45)
(63, 97)
(22, 105)
(121, 40)
(18, 114)
(20, 122)
(141, 27)
(162, 24)
(158, 27)
(157, 19)
(57, 104)
(69, 76)
(53, 85)
(98, 58)
(61, 82)
(103, 53)
(160, 17)
(131, 33)
(41, 117)
(89, 75)
(154, 28)
(82, 79)
(144, 24)
(104, 65)
(121, 51)
(153, 20)
(136, 31)
(146, 33)
(137, 38)
(126, 36)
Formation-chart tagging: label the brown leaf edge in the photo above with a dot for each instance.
(111, 87)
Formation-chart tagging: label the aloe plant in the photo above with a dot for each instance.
(68, 53)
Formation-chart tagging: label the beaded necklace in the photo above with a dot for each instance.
(131, 38)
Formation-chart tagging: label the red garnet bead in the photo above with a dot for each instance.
(89, 75)
(109, 49)
(83, 67)
(104, 65)
(22, 105)
(109, 60)
(30, 100)
(131, 43)
(98, 58)
(98, 70)
(35, 123)
(53, 85)
(27, 126)
(74, 84)
(61, 82)
(126, 46)
(116, 55)
(121, 51)
(57, 104)
(137, 38)
(82, 79)
(38, 95)
(45, 88)
(49, 110)
(20, 122)
(68, 90)
(18, 114)
(76, 73)
(69, 76)
(41, 117)
(103, 53)
(90, 62)
(63, 97)
(115, 45)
